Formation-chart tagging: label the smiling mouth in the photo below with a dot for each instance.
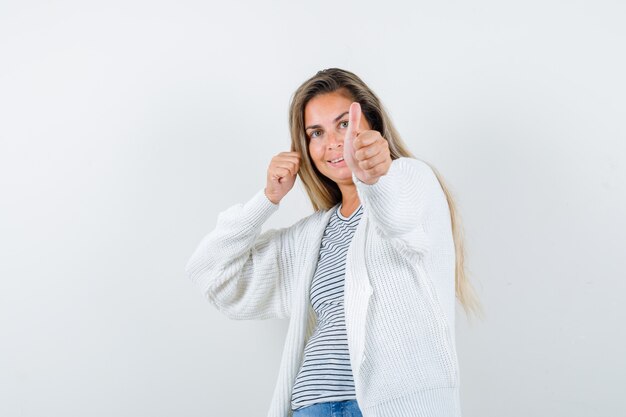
(334, 161)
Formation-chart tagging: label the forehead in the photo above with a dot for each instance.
(325, 107)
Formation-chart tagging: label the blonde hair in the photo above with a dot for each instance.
(324, 193)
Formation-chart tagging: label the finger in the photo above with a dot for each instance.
(376, 171)
(354, 120)
(293, 164)
(288, 157)
(369, 146)
(371, 162)
(292, 154)
(366, 138)
(280, 172)
(368, 152)
(291, 167)
(285, 159)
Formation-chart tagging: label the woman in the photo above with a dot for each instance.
(368, 280)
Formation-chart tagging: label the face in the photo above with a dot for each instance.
(326, 121)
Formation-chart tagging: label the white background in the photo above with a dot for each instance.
(127, 126)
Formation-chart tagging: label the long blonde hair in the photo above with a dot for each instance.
(324, 193)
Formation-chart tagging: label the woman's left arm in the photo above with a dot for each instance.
(397, 202)
(395, 192)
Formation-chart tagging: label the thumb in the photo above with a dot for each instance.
(354, 119)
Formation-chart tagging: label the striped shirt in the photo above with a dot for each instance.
(326, 374)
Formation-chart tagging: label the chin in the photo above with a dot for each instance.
(342, 180)
(337, 176)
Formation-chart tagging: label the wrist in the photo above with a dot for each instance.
(270, 199)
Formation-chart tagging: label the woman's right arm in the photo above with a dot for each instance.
(246, 274)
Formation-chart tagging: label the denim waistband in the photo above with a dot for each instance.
(348, 408)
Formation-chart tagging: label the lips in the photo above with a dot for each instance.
(340, 164)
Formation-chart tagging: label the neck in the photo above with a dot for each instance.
(349, 199)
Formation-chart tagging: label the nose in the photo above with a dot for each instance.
(334, 140)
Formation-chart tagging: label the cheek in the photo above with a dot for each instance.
(315, 151)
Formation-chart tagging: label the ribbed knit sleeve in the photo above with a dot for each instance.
(398, 201)
(246, 274)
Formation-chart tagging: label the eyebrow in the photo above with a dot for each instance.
(336, 120)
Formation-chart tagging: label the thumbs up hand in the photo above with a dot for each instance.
(365, 152)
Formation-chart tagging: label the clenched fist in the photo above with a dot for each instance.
(281, 175)
(366, 152)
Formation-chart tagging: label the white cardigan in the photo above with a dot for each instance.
(399, 290)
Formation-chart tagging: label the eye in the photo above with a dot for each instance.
(315, 133)
(344, 123)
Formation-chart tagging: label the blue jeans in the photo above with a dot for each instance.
(348, 408)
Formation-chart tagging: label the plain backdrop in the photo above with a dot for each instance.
(127, 126)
